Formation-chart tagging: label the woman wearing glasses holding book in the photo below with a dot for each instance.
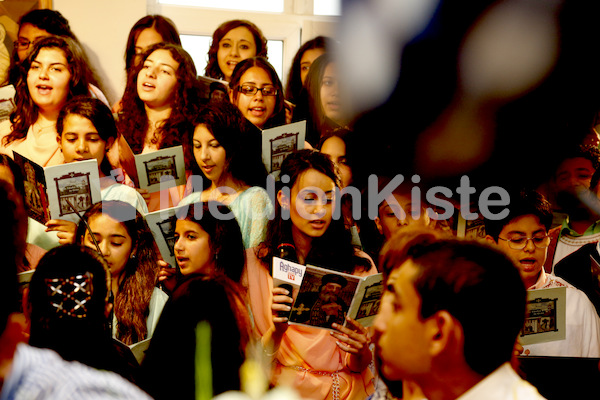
(257, 91)
(320, 364)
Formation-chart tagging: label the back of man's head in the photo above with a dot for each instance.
(523, 202)
(476, 284)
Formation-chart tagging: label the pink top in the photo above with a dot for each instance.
(42, 150)
(308, 358)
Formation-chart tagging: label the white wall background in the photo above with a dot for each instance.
(103, 26)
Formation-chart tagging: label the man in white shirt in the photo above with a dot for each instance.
(445, 320)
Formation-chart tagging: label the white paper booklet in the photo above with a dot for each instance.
(56, 192)
(280, 141)
(166, 165)
(545, 316)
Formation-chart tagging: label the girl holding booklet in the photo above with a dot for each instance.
(319, 363)
(161, 95)
(86, 130)
(210, 257)
(227, 158)
(120, 233)
(257, 91)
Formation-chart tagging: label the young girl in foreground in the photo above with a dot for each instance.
(127, 245)
(319, 363)
(210, 256)
(227, 155)
(86, 131)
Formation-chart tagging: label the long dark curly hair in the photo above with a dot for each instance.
(333, 250)
(132, 303)
(212, 69)
(26, 111)
(132, 121)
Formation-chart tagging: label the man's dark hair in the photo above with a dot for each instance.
(468, 280)
(525, 202)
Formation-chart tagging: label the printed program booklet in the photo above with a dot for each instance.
(545, 316)
(280, 141)
(162, 225)
(56, 192)
(325, 296)
(164, 165)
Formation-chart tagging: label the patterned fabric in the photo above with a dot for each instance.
(42, 374)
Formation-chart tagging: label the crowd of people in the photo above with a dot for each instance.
(99, 289)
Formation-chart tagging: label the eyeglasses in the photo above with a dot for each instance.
(250, 90)
(520, 242)
(22, 44)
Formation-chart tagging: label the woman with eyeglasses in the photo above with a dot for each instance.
(257, 92)
(120, 233)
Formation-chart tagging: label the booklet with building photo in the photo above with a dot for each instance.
(57, 192)
(545, 316)
(164, 165)
(162, 226)
(326, 297)
(280, 141)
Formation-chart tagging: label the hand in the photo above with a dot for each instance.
(281, 302)
(289, 111)
(65, 230)
(353, 339)
(167, 276)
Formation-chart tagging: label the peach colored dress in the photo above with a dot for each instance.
(42, 150)
(308, 358)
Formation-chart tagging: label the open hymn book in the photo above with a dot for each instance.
(323, 297)
(56, 192)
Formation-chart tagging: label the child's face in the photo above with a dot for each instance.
(398, 211)
(530, 259)
(80, 140)
(113, 239)
(311, 203)
(192, 248)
